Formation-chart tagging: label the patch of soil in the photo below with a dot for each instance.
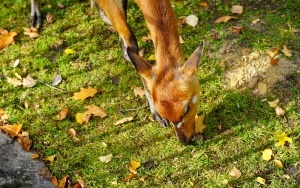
(246, 68)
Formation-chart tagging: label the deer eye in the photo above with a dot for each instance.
(186, 110)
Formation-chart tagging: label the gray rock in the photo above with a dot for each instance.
(17, 169)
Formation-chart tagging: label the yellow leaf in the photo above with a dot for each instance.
(84, 93)
(69, 51)
(129, 177)
(135, 164)
(151, 57)
(6, 38)
(224, 19)
(124, 120)
(281, 138)
(12, 130)
(278, 163)
(199, 126)
(235, 173)
(286, 51)
(95, 111)
(274, 103)
(35, 156)
(49, 158)
(82, 118)
(261, 180)
(267, 154)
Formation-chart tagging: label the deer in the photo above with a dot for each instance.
(171, 85)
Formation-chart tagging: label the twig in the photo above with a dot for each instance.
(52, 87)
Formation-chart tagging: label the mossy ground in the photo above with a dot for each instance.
(239, 125)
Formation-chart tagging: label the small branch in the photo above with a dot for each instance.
(52, 87)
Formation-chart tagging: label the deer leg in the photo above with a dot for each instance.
(114, 13)
(35, 14)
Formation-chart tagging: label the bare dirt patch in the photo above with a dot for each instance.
(248, 68)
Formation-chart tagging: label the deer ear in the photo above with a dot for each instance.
(191, 65)
(142, 67)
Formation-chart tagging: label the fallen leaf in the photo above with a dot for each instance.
(95, 111)
(62, 183)
(60, 5)
(237, 9)
(151, 57)
(6, 38)
(35, 156)
(72, 132)
(133, 166)
(236, 30)
(143, 178)
(203, 4)
(274, 61)
(181, 20)
(14, 81)
(286, 51)
(124, 120)
(49, 158)
(181, 40)
(56, 80)
(224, 19)
(147, 38)
(81, 182)
(54, 181)
(274, 103)
(138, 92)
(267, 154)
(262, 88)
(279, 111)
(106, 158)
(192, 20)
(278, 163)
(28, 81)
(50, 18)
(255, 21)
(25, 142)
(82, 118)
(12, 130)
(62, 114)
(31, 32)
(84, 93)
(281, 138)
(199, 126)
(129, 177)
(261, 180)
(16, 63)
(235, 173)
(69, 51)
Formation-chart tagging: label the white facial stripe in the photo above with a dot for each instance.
(179, 124)
(194, 99)
(151, 104)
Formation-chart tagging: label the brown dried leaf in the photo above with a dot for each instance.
(25, 142)
(124, 120)
(236, 30)
(54, 181)
(84, 93)
(224, 19)
(203, 5)
(286, 51)
(237, 9)
(255, 21)
(181, 20)
(62, 114)
(139, 92)
(50, 18)
(278, 163)
(274, 103)
(31, 32)
(279, 111)
(35, 156)
(262, 88)
(28, 81)
(60, 5)
(129, 177)
(14, 81)
(95, 111)
(274, 61)
(62, 183)
(235, 173)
